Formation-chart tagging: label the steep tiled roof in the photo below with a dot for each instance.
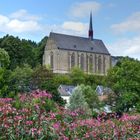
(76, 43)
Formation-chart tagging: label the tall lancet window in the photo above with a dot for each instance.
(90, 63)
(51, 60)
(72, 60)
(104, 64)
(99, 64)
(82, 61)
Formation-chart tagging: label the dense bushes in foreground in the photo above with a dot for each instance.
(36, 116)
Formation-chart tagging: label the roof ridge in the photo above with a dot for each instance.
(73, 36)
(68, 42)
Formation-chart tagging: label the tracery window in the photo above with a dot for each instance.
(104, 65)
(82, 61)
(72, 60)
(90, 63)
(99, 64)
(51, 60)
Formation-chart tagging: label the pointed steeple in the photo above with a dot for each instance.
(90, 32)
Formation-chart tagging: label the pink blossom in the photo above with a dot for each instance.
(56, 125)
(17, 118)
(29, 122)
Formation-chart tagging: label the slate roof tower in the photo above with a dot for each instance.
(90, 32)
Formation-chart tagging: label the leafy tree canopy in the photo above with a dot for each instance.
(4, 58)
(77, 76)
(124, 79)
(78, 101)
(90, 96)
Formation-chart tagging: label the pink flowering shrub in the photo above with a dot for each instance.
(27, 117)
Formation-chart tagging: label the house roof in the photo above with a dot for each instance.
(100, 90)
(66, 90)
(76, 43)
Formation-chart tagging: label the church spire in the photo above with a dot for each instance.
(90, 32)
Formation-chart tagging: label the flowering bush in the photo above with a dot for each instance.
(27, 117)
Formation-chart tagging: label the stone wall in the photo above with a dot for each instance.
(62, 61)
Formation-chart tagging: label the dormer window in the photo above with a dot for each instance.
(91, 48)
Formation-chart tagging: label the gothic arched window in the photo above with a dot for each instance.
(72, 60)
(104, 65)
(99, 64)
(51, 60)
(87, 63)
(90, 63)
(82, 61)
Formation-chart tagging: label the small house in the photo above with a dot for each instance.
(66, 91)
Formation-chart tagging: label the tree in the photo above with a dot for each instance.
(124, 79)
(51, 87)
(4, 82)
(77, 76)
(20, 79)
(40, 49)
(91, 97)
(40, 75)
(4, 58)
(42, 78)
(4, 73)
(20, 51)
(13, 47)
(29, 53)
(62, 79)
(78, 101)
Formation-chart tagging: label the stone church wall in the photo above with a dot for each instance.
(62, 61)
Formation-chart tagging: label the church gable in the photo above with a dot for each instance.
(51, 44)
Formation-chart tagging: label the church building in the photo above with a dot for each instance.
(63, 52)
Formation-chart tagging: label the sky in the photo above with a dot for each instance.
(116, 22)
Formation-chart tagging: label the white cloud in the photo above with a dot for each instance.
(83, 9)
(69, 27)
(75, 26)
(22, 14)
(9, 24)
(126, 47)
(131, 24)
(26, 24)
(3, 20)
(22, 26)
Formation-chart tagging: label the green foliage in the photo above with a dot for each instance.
(20, 79)
(4, 82)
(127, 101)
(62, 79)
(4, 58)
(90, 96)
(13, 47)
(49, 105)
(124, 79)
(43, 78)
(78, 101)
(94, 80)
(77, 76)
(40, 49)
(40, 75)
(51, 87)
(21, 51)
(29, 52)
